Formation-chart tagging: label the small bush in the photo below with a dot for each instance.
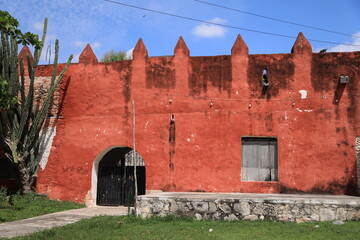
(3, 196)
(112, 56)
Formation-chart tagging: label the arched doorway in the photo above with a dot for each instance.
(115, 177)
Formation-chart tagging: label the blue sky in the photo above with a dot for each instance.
(109, 26)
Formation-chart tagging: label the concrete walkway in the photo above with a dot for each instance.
(36, 224)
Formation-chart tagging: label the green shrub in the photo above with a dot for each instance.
(112, 56)
(3, 196)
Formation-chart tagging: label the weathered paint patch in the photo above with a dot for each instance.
(304, 110)
(208, 72)
(303, 94)
(45, 146)
(160, 73)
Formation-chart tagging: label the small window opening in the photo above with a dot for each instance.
(259, 159)
(265, 80)
(344, 79)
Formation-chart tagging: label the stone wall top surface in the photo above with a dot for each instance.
(257, 197)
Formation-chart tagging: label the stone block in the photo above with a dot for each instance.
(173, 206)
(251, 218)
(315, 216)
(284, 217)
(269, 210)
(295, 210)
(327, 214)
(157, 206)
(216, 216)
(225, 207)
(212, 207)
(198, 216)
(243, 208)
(201, 206)
(353, 215)
(283, 209)
(231, 217)
(341, 214)
(258, 209)
(307, 210)
(302, 219)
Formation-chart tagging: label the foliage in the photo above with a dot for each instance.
(112, 56)
(21, 123)
(31, 205)
(6, 98)
(3, 196)
(10, 25)
(131, 228)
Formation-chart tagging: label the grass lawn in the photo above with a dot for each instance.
(32, 205)
(105, 227)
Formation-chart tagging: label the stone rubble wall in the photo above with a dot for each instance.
(41, 89)
(240, 209)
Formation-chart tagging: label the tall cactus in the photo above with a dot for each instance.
(21, 122)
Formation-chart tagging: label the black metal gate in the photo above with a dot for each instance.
(109, 186)
(116, 184)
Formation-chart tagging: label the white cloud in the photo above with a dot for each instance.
(94, 45)
(51, 37)
(210, 31)
(218, 20)
(75, 58)
(38, 26)
(79, 44)
(129, 53)
(347, 48)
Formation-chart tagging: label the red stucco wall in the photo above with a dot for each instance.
(316, 135)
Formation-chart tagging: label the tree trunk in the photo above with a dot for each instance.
(25, 178)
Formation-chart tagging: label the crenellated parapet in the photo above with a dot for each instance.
(140, 50)
(261, 75)
(239, 47)
(194, 115)
(88, 56)
(181, 49)
(301, 45)
(237, 76)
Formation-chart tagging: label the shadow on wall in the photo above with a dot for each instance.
(347, 187)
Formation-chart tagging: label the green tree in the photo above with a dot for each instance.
(21, 120)
(112, 56)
